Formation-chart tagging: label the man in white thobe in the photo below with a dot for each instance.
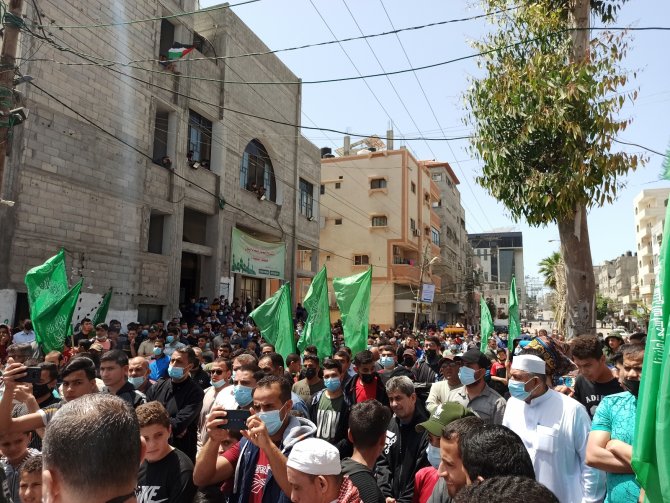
(554, 428)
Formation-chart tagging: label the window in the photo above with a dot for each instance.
(413, 188)
(379, 221)
(486, 276)
(256, 172)
(338, 221)
(378, 183)
(412, 224)
(167, 38)
(437, 177)
(156, 226)
(435, 236)
(437, 204)
(146, 313)
(306, 198)
(361, 260)
(322, 189)
(195, 227)
(203, 45)
(338, 185)
(160, 136)
(199, 138)
(503, 300)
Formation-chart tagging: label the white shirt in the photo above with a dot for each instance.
(226, 399)
(23, 337)
(555, 428)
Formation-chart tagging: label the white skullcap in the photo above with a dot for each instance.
(529, 363)
(315, 456)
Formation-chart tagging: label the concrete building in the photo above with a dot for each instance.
(614, 281)
(649, 207)
(159, 232)
(376, 210)
(501, 257)
(454, 246)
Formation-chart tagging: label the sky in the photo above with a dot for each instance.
(356, 107)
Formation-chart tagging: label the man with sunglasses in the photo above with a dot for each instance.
(219, 372)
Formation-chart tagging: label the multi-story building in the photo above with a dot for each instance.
(376, 210)
(501, 257)
(649, 206)
(454, 246)
(616, 278)
(143, 171)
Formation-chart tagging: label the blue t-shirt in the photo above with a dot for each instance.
(616, 415)
(159, 368)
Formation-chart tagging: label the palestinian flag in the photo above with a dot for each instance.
(178, 51)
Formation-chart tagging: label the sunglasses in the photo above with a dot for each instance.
(217, 372)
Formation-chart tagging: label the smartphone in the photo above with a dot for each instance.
(33, 375)
(237, 420)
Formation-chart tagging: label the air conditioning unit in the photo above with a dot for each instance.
(416, 232)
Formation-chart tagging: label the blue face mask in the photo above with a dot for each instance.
(243, 395)
(218, 384)
(184, 331)
(517, 389)
(196, 332)
(158, 351)
(332, 383)
(433, 454)
(229, 331)
(175, 372)
(386, 361)
(272, 420)
(136, 381)
(170, 339)
(145, 333)
(467, 376)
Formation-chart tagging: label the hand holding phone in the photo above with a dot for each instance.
(33, 375)
(236, 420)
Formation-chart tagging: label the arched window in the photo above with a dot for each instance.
(256, 172)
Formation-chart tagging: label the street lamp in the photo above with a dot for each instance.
(425, 264)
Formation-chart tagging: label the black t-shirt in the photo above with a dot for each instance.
(590, 394)
(169, 480)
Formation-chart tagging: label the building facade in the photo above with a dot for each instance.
(143, 170)
(376, 209)
(649, 207)
(616, 279)
(500, 257)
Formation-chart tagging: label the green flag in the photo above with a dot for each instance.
(46, 283)
(353, 299)
(514, 328)
(651, 448)
(274, 318)
(101, 314)
(52, 324)
(317, 328)
(485, 323)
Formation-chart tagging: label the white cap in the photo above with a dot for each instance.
(529, 363)
(315, 456)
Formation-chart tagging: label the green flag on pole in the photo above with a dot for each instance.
(53, 323)
(353, 299)
(317, 328)
(651, 448)
(485, 323)
(46, 283)
(274, 318)
(514, 328)
(101, 314)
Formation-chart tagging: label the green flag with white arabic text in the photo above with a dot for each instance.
(485, 323)
(101, 314)
(46, 283)
(514, 328)
(53, 323)
(353, 299)
(274, 318)
(317, 328)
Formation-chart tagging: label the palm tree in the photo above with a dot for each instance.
(548, 269)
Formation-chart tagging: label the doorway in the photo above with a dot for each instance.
(189, 281)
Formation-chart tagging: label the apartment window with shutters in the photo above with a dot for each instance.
(306, 198)
(435, 236)
(379, 221)
(378, 183)
(361, 260)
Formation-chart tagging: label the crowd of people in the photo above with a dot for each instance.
(201, 409)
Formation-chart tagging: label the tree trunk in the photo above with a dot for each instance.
(581, 285)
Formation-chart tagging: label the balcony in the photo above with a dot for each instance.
(645, 250)
(405, 273)
(646, 290)
(650, 214)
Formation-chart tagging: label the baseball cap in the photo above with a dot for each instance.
(476, 356)
(409, 352)
(444, 414)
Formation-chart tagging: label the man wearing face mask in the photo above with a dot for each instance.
(366, 385)
(330, 407)
(160, 362)
(554, 428)
(219, 372)
(182, 398)
(244, 383)
(312, 383)
(610, 442)
(138, 374)
(147, 346)
(172, 342)
(273, 364)
(476, 394)
(260, 474)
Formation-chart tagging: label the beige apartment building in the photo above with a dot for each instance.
(376, 209)
(649, 206)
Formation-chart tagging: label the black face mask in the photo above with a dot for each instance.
(632, 386)
(407, 362)
(367, 378)
(40, 390)
(310, 373)
(431, 353)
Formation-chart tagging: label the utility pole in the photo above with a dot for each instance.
(10, 42)
(425, 263)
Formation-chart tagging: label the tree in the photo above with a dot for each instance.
(548, 269)
(545, 119)
(604, 307)
(492, 307)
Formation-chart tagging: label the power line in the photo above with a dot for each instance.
(667, 156)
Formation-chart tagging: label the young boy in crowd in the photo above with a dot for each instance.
(30, 480)
(14, 450)
(166, 474)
